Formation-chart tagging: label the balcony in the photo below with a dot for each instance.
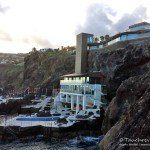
(76, 91)
(73, 82)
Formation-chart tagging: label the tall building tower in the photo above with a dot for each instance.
(82, 90)
(81, 52)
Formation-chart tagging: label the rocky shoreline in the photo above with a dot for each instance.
(128, 86)
(85, 128)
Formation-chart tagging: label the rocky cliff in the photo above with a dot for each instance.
(120, 64)
(43, 69)
(128, 115)
(37, 69)
(11, 77)
(11, 72)
(127, 72)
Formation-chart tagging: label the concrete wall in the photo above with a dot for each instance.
(81, 53)
(114, 41)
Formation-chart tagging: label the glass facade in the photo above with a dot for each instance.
(75, 80)
(90, 39)
(82, 86)
(79, 89)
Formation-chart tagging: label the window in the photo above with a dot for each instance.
(90, 39)
(75, 87)
(92, 92)
(87, 79)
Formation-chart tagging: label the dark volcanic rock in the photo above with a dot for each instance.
(11, 107)
(128, 114)
(127, 73)
(120, 64)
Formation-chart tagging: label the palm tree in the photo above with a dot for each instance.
(107, 37)
(96, 39)
(102, 38)
(34, 49)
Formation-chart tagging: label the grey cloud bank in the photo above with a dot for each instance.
(5, 36)
(128, 19)
(40, 41)
(3, 9)
(29, 40)
(98, 21)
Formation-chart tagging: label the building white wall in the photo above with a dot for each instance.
(91, 92)
(114, 41)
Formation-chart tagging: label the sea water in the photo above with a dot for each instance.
(41, 144)
(44, 145)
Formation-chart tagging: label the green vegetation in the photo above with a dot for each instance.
(45, 68)
(37, 68)
(12, 75)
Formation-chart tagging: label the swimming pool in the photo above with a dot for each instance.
(37, 118)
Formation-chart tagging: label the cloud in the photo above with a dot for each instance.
(3, 9)
(128, 19)
(98, 20)
(5, 36)
(42, 42)
(37, 40)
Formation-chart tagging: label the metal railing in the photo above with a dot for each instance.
(76, 91)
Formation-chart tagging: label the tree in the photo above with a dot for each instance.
(34, 49)
(107, 37)
(96, 39)
(102, 38)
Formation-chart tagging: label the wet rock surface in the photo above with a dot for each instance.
(37, 144)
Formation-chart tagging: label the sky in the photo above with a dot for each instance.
(25, 24)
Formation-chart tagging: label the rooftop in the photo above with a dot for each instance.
(139, 24)
(92, 74)
(128, 32)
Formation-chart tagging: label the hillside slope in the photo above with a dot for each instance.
(43, 69)
(37, 69)
(11, 71)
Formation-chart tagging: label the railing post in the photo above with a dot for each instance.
(72, 102)
(77, 104)
(84, 102)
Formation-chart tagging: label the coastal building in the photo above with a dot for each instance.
(139, 26)
(82, 90)
(137, 31)
(134, 32)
